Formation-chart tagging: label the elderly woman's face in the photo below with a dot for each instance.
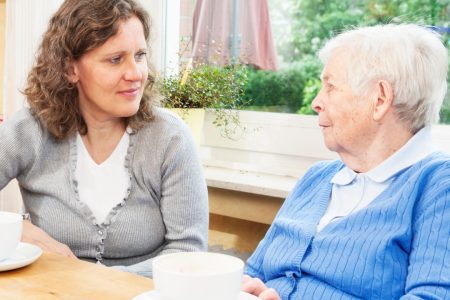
(346, 119)
(111, 78)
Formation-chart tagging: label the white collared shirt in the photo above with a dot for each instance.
(353, 191)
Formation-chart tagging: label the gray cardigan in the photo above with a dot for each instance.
(165, 210)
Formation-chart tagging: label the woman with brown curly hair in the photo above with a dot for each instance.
(104, 174)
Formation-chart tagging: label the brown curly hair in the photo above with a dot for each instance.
(77, 27)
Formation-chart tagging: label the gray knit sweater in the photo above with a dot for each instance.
(165, 210)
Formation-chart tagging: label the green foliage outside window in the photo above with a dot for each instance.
(313, 22)
(281, 91)
(312, 88)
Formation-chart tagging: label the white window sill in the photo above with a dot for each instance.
(268, 159)
(249, 182)
(274, 153)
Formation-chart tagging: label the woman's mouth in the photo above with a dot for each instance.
(130, 92)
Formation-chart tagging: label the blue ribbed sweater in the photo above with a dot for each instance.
(398, 247)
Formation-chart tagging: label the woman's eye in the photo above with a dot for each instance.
(115, 60)
(140, 56)
(329, 86)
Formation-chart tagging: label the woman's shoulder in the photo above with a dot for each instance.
(435, 165)
(436, 162)
(22, 115)
(23, 121)
(165, 128)
(166, 120)
(326, 167)
(438, 157)
(319, 172)
(23, 135)
(429, 175)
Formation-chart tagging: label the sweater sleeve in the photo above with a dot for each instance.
(429, 260)
(20, 140)
(184, 200)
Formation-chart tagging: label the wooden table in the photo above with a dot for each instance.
(56, 277)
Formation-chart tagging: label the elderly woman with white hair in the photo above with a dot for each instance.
(374, 224)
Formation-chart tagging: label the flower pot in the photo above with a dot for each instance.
(194, 119)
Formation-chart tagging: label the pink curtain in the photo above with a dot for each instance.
(212, 33)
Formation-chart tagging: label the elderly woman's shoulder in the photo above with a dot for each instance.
(327, 165)
(325, 168)
(437, 161)
(431, 171)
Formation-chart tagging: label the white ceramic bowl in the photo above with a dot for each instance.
(197, 276)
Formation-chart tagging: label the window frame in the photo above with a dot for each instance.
(211, 139)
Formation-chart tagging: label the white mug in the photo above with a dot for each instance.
(10, 233)
(197, 276)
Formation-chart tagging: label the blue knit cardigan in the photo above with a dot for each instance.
(398, 247)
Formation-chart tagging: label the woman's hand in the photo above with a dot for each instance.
(36, 236)
(257, 288)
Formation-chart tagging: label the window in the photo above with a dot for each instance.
(299, 29)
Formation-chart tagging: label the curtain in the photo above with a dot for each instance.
(223, 29)
(26, 20)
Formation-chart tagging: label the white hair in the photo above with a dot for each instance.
(410, 57)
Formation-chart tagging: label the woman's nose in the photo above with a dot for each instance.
(317, 104)
(132, 72)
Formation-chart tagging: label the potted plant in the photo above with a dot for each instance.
(209, 87)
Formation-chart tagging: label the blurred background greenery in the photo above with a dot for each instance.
(301, 27)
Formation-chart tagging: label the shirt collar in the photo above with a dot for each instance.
(417, 148)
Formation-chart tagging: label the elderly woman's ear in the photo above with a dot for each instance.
(383, 98)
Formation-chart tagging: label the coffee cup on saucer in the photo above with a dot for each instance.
(197, 276)
(10, 233)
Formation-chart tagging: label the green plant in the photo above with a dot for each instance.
(211, 87)
(282, 90)
(312, 88)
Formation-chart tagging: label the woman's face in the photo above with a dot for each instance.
(345, 118)
(111, 78)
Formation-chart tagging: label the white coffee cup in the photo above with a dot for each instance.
(197, 276)
(10, 233)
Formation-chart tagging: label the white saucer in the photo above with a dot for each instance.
(24, 255)
(154, 295)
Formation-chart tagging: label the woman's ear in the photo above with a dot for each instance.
(384, 98)
(71, 71)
